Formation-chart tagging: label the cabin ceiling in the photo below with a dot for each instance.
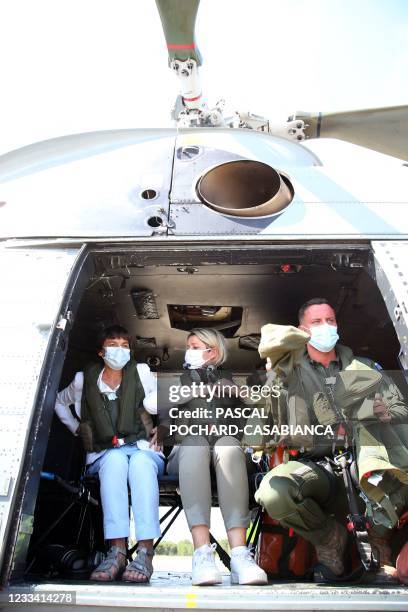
(264, 292)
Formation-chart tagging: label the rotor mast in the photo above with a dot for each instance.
(178, 19)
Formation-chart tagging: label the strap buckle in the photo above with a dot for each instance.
(343, 458)
(117, 442)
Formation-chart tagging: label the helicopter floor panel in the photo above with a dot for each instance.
(173, 591)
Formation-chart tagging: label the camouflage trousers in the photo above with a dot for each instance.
(303, 496)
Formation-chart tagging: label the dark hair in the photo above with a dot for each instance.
(312, 302)
(113, 331)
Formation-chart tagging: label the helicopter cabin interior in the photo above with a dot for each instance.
(159, 295)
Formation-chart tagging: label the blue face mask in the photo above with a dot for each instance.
(323, 337)
(116, 357)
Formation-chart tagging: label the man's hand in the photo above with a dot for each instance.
(380, 410)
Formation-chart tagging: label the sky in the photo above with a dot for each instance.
(71, 66)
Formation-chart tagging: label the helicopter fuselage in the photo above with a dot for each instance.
(141, 183)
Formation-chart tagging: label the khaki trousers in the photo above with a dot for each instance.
(192, 461)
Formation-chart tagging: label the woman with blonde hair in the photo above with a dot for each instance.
(194, 459)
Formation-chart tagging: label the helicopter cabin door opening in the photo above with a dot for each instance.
(159, 294)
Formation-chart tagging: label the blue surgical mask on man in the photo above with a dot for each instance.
(323, 337)
(116, 357)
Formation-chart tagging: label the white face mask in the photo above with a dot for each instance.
(116, 357)
(194, 358)
(323, 337)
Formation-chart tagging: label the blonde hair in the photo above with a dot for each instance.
(212, 339)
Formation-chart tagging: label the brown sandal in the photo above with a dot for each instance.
(141, 564)
(113, 565)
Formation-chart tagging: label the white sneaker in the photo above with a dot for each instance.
(204, 569)
(244, 570)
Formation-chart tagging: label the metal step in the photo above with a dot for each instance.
(173, 591)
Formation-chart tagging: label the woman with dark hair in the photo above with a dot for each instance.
(111, 399)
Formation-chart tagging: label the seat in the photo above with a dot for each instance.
(169, 496)
(86, 497)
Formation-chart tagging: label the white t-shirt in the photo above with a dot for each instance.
(73, 395)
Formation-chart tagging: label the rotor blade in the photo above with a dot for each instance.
(382, 129)
(178, 19)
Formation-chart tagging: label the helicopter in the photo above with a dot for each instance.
(221, 221)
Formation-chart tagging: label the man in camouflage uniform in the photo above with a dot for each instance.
(323, 383)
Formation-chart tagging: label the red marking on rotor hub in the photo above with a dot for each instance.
(171, 46)
(192, 99)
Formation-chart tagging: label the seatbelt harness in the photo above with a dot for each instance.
(357, 523)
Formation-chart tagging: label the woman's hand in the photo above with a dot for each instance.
(153, 441)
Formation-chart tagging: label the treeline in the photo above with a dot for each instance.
(183, 548)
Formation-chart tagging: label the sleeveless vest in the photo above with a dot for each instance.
(102, 419)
